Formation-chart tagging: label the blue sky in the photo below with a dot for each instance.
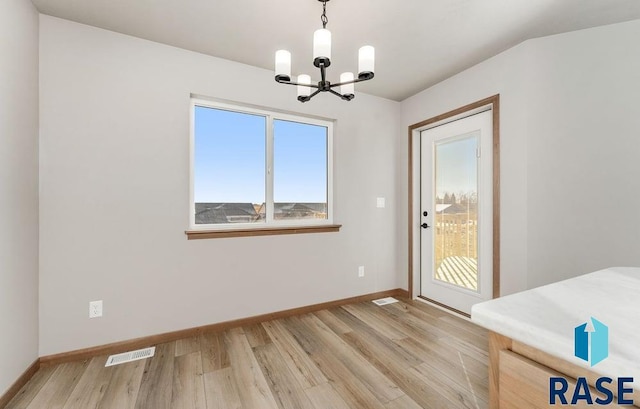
(230, 152)
(300, 162)
(457, 166)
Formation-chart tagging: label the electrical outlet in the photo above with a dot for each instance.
(361, 271)
(95, 309)
(380, 202)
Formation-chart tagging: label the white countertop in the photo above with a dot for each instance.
(545, 317)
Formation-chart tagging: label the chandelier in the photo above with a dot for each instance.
(322, 60)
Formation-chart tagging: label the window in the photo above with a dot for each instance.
(256, 169)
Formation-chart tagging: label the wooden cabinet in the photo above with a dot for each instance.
(524, 384)
(519, 377)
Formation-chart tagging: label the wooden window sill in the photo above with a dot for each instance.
(269, 231)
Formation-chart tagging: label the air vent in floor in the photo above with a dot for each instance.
(385, 301)
(130, 356)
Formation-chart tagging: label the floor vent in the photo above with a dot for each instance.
(385, 301)
(130, 356)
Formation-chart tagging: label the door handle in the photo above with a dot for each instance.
(425, 226)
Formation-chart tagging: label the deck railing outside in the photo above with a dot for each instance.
(456, 249)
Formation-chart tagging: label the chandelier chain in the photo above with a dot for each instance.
(323, 17)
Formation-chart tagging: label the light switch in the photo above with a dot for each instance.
(380, 202)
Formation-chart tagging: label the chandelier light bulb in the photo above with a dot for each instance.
(305, 80)
(283, 64)
(366, 61)
(322, 44)
(347, 89)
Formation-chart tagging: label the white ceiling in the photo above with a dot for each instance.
(418, 42)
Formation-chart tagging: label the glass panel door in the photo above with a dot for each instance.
(456, 211)
(456, 215)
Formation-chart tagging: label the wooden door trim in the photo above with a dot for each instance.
(494, 101)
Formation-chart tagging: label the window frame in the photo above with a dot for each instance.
(270, 224)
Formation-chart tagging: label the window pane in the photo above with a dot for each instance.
(229, 166)
(300, 170)
(456, 230)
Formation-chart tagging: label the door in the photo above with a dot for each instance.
(456, 193)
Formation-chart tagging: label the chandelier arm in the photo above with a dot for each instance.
(296, 83)
(336, 93)
(305, 98)
(346, 97)
(349, 82)
(337, 84)
(314, 94)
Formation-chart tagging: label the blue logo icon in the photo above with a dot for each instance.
(591, 344)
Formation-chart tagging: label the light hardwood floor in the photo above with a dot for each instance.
(403, 355)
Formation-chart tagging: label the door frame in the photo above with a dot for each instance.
(494, 102)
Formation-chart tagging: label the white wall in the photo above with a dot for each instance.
(114, 196)
(570, 136)
(18, 189)
(583, 147)
(114, 180)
